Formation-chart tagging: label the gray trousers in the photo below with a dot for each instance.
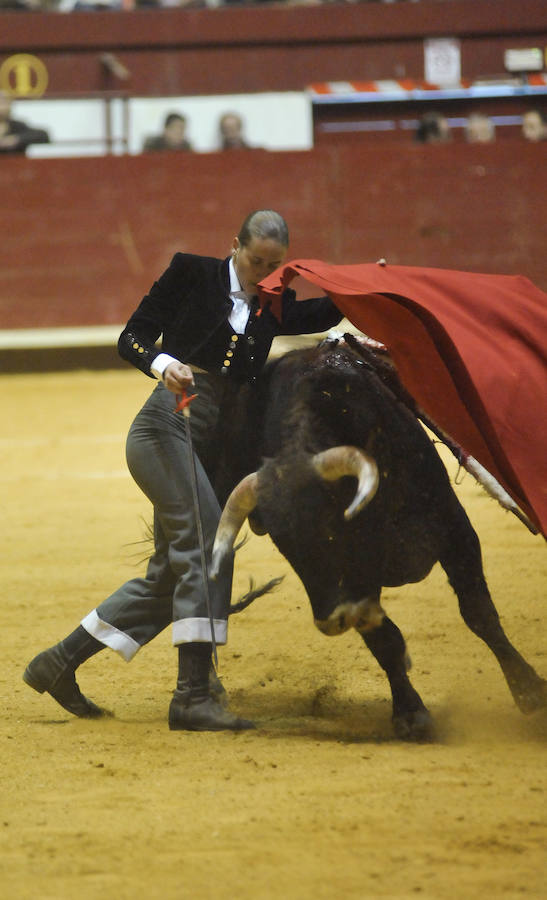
(172, 589)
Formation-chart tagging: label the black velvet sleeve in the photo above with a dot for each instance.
(156, 313)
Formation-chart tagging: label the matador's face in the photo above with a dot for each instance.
(255, 260)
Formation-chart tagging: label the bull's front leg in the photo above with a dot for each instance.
(463, 565)
(411, 719)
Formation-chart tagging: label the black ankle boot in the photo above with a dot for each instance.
(53, 671)
(196, 705)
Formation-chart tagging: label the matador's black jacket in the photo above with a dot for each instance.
(190, 304)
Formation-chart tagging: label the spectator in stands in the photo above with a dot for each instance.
(480, 129)
(534, 125)
(89, 5)
(173, 136)
(230, 128)
(92, 5)
(20, 5)
(16, 136)
(433, 128)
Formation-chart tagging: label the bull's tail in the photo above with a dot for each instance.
(253, 593)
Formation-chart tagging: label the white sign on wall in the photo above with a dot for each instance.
(442, 61)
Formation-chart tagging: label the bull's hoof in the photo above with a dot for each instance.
(531, 698)
(414, 726)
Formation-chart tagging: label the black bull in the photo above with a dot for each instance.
(338, 410)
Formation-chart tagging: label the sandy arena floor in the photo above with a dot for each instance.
(321, 801)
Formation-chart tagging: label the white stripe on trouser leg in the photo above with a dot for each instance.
(187, 631)
(110, 636)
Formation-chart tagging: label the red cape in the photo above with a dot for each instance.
(470, 348)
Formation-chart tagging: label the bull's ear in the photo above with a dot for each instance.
(336, 462)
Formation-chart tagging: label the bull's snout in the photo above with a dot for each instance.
(365, 615)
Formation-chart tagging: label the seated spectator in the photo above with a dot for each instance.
(534, 125)
(177, 4)
(16, 136)
(89, 5)
(20, 5)
(173, 136)
(480, 129)
(433, 128)
(230, 128)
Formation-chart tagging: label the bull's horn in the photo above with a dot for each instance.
(339, 461)
(239, 504)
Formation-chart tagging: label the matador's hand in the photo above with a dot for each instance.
(177, 377)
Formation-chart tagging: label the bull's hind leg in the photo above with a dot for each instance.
(463, 565)
(411, 720)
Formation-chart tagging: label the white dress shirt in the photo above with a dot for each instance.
(241, 309)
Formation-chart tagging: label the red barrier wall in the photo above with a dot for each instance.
(85, 238)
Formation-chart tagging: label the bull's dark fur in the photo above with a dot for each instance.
(313, 399)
